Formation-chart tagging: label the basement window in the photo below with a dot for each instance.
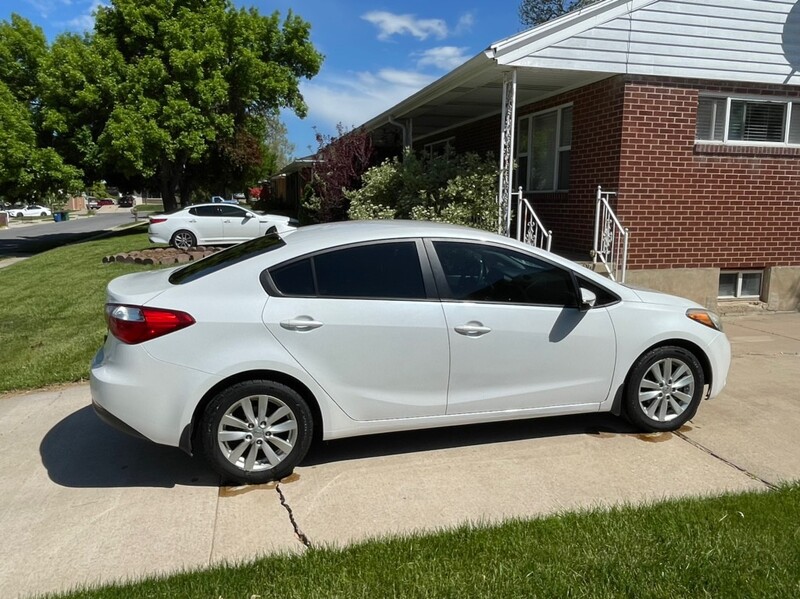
(740, 284)
(753, 122)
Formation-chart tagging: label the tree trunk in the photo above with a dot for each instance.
(167, 187)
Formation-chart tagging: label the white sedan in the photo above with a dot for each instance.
(210, 224)
(30, 210)
(368, 327)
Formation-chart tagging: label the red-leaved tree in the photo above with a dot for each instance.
(340, 162)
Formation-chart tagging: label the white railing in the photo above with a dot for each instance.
(610, 238)
(530, 229)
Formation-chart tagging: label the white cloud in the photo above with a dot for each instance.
(355, 99)
(390, 24)
(465, 23)
(445, 58)
(85, 22)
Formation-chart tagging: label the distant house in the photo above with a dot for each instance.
(689, 110)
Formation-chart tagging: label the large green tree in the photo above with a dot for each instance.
(535, 12)
(30, 169)
(178, 91)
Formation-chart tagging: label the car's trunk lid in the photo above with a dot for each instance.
(138, 288)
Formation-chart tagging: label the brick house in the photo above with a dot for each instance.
(688, 109)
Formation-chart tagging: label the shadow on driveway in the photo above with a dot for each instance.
(82, 451)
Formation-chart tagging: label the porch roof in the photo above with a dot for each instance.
(735, 40)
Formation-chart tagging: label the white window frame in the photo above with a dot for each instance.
(738, 291)
(787, 102)
(445, 144)
(559, 149)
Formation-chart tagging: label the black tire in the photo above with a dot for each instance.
(183, 239)
(43, 214)
(287, 447)
(674, 401)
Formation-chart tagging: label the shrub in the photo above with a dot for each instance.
(454, 188)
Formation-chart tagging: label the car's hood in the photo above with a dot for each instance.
(138, 288)
(649, 296)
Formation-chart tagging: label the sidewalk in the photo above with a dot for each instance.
(85, 504)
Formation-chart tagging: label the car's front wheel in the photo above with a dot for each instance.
(664, 389)
(255, 431)
(183, 240)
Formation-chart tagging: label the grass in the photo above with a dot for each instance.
(732, 546)
(52, 306)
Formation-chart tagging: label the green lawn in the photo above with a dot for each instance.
(52, 311)
(733, 546)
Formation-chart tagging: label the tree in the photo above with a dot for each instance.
(30, 170)
(536, 12)
(340, 162)
(182, 90)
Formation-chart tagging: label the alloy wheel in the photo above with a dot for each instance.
(666, 389)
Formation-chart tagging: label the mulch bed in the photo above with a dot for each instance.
(165, 256)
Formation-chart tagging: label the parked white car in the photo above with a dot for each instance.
(30, 210)
(211, 224)
(368, 327)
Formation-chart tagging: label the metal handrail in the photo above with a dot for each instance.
(530, 229)
(610, 238)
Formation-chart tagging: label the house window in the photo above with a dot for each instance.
(748, 121)
(439, 148)
(544, 144)
(740, 284)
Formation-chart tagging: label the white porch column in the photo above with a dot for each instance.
(508, 125)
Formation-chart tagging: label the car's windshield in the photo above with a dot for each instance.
(232, 255)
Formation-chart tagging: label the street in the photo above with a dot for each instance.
(24, 239)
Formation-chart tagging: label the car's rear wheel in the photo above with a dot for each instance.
(255, 431)
(183, 240)
(43, 214)
(664, 389)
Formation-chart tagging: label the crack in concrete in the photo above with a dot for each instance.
(298, 533)
(752, 328)
(725, 461)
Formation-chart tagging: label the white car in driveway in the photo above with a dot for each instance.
(210, 224)
(30, 210)
(368, 327)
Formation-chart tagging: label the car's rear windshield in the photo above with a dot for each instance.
(228, 257)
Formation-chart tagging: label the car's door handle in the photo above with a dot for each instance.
(472, 329)
(192, 220)
(302, 323)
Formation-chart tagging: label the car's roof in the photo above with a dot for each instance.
(332, 234)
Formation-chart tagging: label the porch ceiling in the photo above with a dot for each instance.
(471, 92)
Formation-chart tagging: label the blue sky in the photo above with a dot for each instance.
(375, 53)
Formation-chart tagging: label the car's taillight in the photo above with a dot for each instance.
(136, 324)
(154, 220)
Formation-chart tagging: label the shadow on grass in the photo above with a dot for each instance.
(82, 451)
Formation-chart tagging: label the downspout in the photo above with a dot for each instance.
(406, 141)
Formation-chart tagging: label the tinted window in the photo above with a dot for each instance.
(294, 279)
(604, 297)
(232, 255)
(228, 210)
(385, 270)
(491, 274)
(205, 211)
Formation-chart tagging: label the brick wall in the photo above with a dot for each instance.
(700, 205)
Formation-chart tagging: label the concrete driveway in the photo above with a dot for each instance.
(83, 504)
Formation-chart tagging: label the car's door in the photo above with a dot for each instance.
(237, 224)
(518, 339)
(206, 222)
(363, 320)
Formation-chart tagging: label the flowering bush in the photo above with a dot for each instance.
(458, 189)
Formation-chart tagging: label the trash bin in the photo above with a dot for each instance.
(57, 217)
(65, 215)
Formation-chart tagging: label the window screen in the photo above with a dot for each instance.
(756, 121)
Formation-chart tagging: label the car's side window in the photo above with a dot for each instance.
(206, 211)
(233, 211)
(487, 273)
(296, 278)
(382, 270)
(377, 270)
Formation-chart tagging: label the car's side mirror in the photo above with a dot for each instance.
(249, 215)
(588, 299)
